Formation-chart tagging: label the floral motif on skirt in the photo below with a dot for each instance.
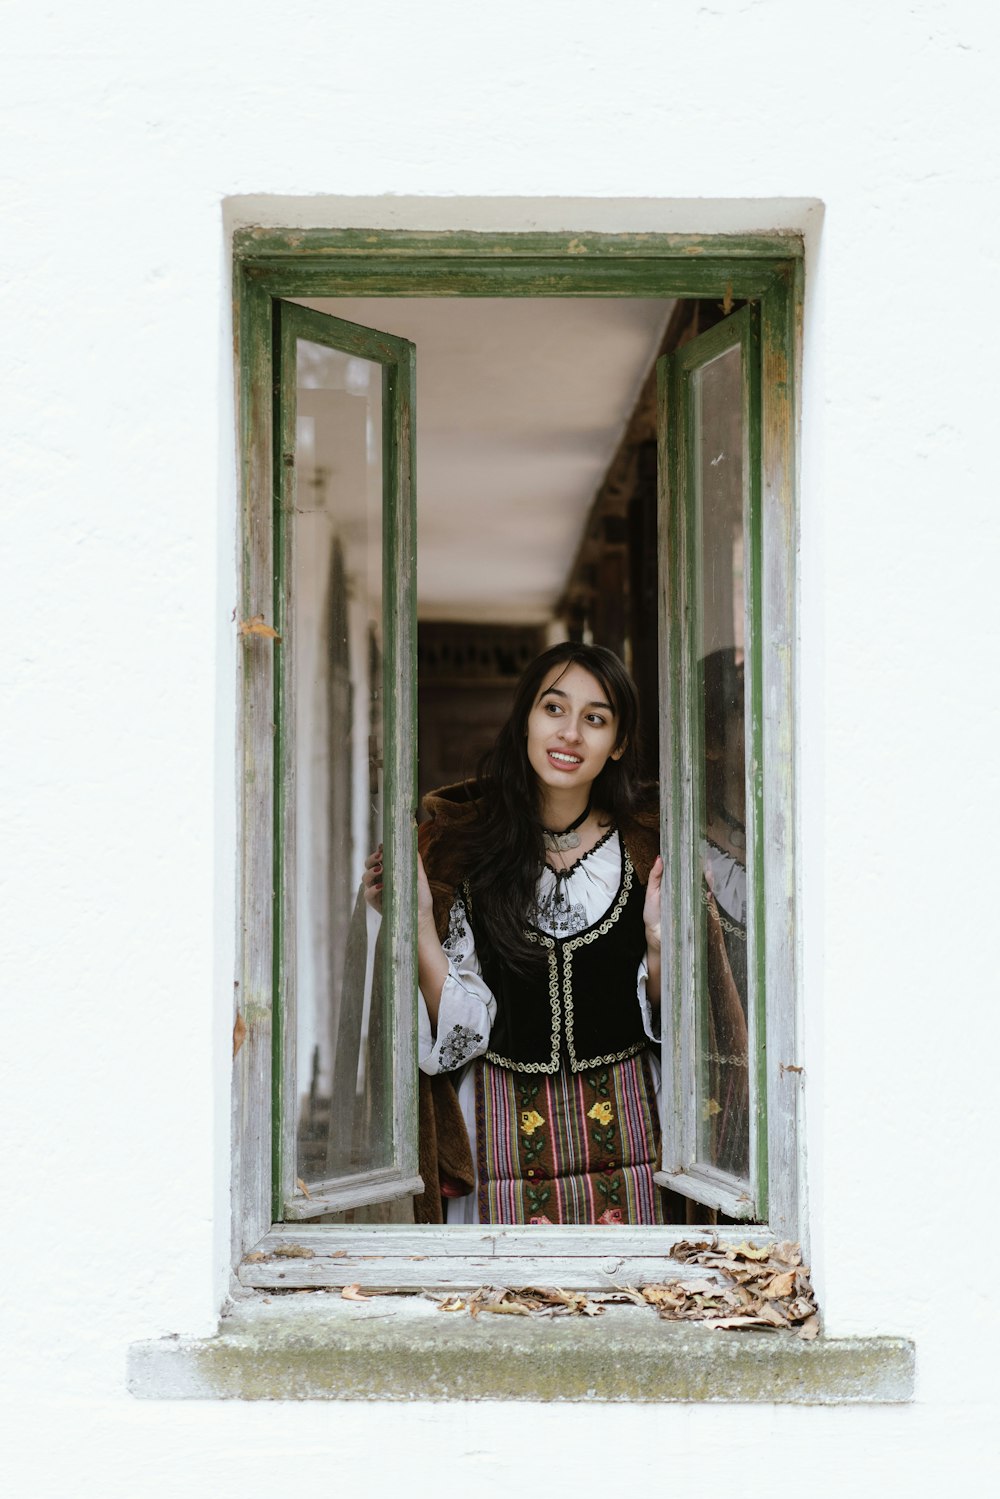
(568, 1147)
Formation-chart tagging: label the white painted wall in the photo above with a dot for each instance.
(134, 135)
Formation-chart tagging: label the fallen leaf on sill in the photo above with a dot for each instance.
(769, 1312)
(781, 1285)
(751, 1252)
(668, 1295)
(727, 1324)
(295, 1252)
(354, 1293)
(688, 1250)
(810, 1327)
(256, 625)
(252, 1259)
(337, 1254)
(573, 1301)
(625, 1293)
(302, 1187)
(451, 1304)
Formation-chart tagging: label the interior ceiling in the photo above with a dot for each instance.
(521, 403)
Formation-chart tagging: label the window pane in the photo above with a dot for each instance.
(721, 897)
(344, 1090)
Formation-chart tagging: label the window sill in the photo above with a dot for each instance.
(320, 1347)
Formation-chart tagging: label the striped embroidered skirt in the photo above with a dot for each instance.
(568, 1147)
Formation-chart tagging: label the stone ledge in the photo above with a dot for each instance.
(320, 1347)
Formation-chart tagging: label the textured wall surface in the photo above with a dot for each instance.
(133, 136)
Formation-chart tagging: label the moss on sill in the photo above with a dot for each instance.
(320, 1347)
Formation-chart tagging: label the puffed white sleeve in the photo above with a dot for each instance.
(650, 1022)
(467, 1009)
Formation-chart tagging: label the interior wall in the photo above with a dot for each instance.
(138, 137)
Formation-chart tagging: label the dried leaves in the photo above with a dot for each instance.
(754, 1287)
(763, 1287)
(531, 1300)
(728, 1287)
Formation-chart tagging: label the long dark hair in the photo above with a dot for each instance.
(505, 848)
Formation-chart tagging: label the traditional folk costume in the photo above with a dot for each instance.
(554, 1118)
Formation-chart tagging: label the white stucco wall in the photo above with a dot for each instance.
(126, 130)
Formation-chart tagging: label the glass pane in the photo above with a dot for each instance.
(720, 805)
(344, 1089)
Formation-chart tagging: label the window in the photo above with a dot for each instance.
(724, 438)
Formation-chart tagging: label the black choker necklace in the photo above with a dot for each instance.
(560, 843)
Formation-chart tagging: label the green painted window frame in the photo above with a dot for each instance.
(681, 746)
(273, 265)
(396, 947)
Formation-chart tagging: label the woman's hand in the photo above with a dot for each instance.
(373, 879)
(651, 921)
(651, 906)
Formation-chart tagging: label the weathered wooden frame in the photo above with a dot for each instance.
(396, 949)
(680, 751)
(274, 264)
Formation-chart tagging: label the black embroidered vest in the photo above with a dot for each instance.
(580, 1007)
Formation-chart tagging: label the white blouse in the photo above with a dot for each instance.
(467, 1009)
(727, 880)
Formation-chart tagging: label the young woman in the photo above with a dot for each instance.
(539, 958)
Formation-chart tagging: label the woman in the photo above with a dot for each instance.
(539, 955)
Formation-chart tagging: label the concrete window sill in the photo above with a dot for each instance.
(320, 1347)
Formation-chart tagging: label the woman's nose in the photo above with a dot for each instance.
(570, 731)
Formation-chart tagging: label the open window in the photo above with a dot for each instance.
(325, 1104)
(711, 767)
(344, 752)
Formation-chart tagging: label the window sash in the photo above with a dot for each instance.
(396, 947)
(319, 263)
(682, 757)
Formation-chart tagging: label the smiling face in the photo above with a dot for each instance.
(572, 730)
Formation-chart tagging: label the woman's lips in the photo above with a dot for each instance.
(570, 762)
